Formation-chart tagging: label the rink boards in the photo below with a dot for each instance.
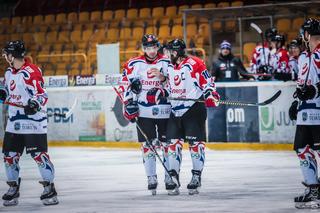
(98, 115)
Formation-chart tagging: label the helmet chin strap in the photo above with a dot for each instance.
(150, 59)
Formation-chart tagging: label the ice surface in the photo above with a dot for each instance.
(90, 180)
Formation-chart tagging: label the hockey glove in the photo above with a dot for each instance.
(306, 93)
(293, 111)
(136, 86)
(131, 110)
(154, 95)
(32, 107)
(211, 96)
(3, 95)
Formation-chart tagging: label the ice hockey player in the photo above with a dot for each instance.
(307, 137)
(188, 79)
(280, 59)
(260, 60)
(294, 52)
(141, 74)
(27, 123)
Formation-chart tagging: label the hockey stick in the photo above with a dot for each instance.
(235, 103)
(64, 115)
(258, 29)
(148, 141)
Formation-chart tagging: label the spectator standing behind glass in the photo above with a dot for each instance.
(228, 67)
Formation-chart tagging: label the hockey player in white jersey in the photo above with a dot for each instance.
(188, 79)
(307, 137)
(140, 74)
(27, 123)
(260, 60)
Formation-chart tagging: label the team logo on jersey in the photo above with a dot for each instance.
(150, 74)
(155, 111)
(17, 126)
(304, 116)
(12, 85)
(304, 69)
(177, 80)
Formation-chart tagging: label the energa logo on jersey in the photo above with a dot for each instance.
(267, 118)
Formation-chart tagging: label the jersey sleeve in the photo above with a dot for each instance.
(124, 88)
(200, 73)
(35, 84)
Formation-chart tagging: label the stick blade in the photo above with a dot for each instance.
(256, 27)
(270, 100)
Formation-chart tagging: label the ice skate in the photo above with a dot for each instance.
(195, 182)
(173, 184)
(49, 194)
(152, 184)
(310, 199)
(11, 197)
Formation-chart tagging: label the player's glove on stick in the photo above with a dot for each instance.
(307, 92)
(131, 110)
(211, 96)
(32, 107)
(154, 95)
(3, 95)
(293, 110)
(136, 86)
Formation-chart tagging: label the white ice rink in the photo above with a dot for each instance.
(91, 180)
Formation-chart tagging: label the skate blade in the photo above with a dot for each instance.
(174, 191)
(50, 201)
(12, 202)
(153, 192)
(193, 191)
(308, 205)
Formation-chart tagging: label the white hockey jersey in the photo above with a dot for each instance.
(260, 57)
(21, 85)
(187, 80)
(309, 111)
(139, 67)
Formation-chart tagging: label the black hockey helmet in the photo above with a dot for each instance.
(177, 45)
(279, 38)
(270, 32)
(16, 48)
(312, 26)
(149, 40)
(296, 42)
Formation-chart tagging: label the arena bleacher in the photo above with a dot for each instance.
(61, 36)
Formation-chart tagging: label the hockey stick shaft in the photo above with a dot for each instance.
(145, 136)
(258, 29)
(235, 103)
(64, 115)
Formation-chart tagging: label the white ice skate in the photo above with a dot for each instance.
(152, 184)
(11, 197)
(49, 194)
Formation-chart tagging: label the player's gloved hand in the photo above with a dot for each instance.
(293, 110)
(211, 96)
(3, 95)
(306, 93)
(136, 86)
(154, 95)
(32, 107)
(266, 72)
(131, 110)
